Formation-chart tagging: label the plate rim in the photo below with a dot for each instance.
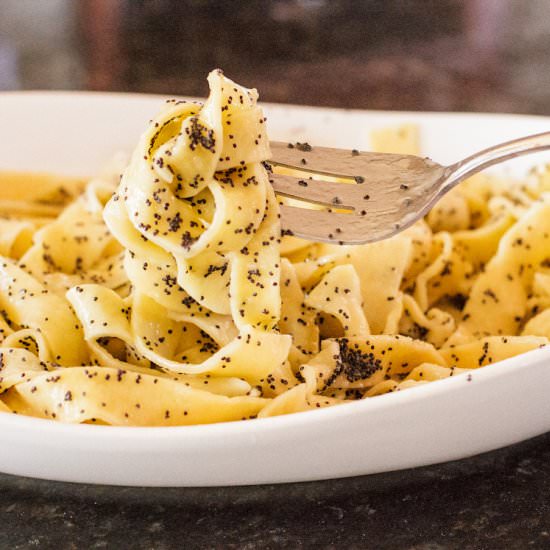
(319, 108)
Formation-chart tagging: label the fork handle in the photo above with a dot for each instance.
(497, 154)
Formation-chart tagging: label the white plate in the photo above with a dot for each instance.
(454, 418)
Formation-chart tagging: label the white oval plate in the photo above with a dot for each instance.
(498, 405)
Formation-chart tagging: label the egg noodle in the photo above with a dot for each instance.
(167, 296)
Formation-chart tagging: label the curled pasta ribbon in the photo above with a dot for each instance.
(200, 224)
(148, 400)
(26, 304)
(196, 200)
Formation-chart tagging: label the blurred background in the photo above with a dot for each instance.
(457, 55)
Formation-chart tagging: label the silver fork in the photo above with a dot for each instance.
(381, 194)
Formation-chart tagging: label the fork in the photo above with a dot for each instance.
(376, 195)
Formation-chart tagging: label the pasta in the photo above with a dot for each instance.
(167, 296)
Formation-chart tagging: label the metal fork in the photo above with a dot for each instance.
(379, 194)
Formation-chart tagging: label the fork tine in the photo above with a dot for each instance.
(343, 163)
(333, 227)
(319, 192)
(304, 157)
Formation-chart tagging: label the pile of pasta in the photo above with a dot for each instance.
(166, 296)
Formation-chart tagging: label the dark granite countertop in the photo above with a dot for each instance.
(499, 500)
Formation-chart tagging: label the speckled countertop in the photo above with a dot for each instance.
(500, 500)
